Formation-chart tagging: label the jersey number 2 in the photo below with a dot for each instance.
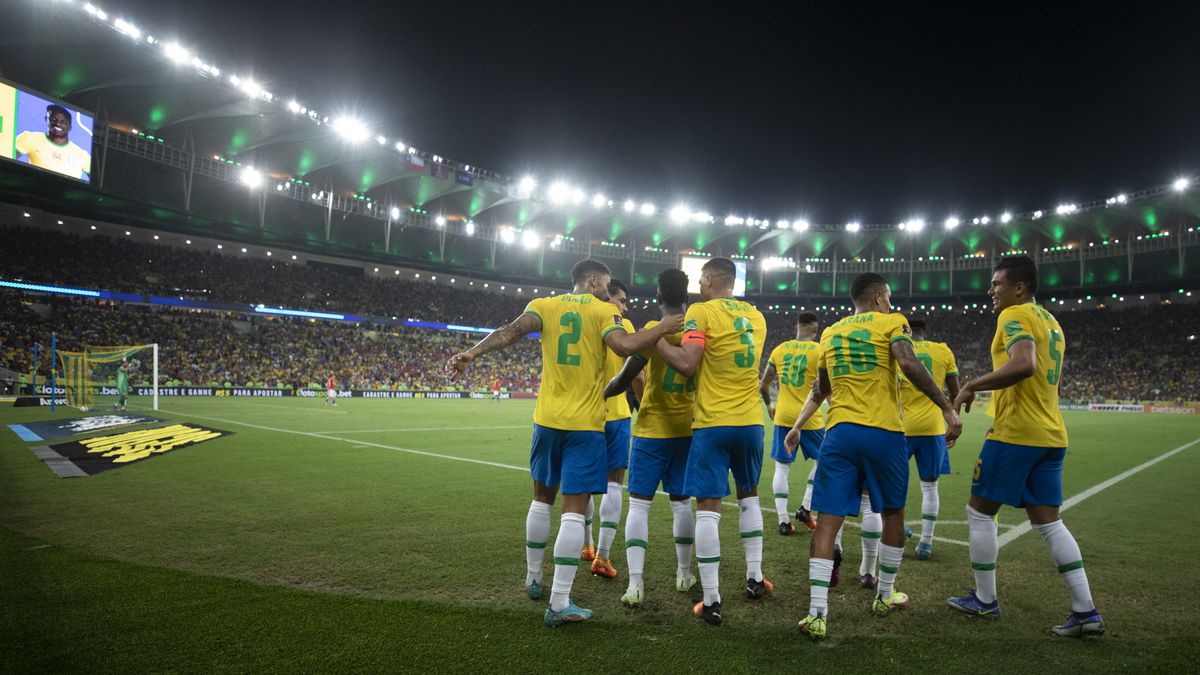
(565, 340)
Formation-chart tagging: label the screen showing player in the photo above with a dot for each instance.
(45, 133)
(692, 264)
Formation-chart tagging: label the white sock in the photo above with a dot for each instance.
(984, 548)
(820, 571)
(780, 485)
(610, 517)
(872, 530)
(708, 553)
(587, 519)
(684, 529)
(637, 528)
(1065, 552)
(807, 503)
(537, 532)
(930, 505)
(837, 542)
(889, 566)
(566, 559)
(750, 526)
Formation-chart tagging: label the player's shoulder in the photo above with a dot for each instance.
(627, 324)
(650, 324)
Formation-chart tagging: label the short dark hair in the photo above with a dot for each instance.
(672, 287)
(615, 285)
(865, 283)
(586, 268)
(804, 318)
(53, 108)
(720, 266)
(1019, 268)
(917, 324)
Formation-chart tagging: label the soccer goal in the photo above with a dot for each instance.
(100, 377)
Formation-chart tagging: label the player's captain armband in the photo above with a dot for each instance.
(694, 337)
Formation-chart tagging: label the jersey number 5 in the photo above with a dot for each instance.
(565, 340)
(1053, 374)
(744, 359)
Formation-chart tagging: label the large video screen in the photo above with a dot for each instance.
(692, 265)
(45, 133)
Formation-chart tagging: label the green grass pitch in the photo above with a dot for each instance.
(387, 535)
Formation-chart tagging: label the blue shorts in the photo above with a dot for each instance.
(933, 459)
(616, 439)
(1019, 475)
(573, 458)
(854, 457)
(658, 459)
(810, 444)
(716, 451)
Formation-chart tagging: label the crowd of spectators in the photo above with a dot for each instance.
(1142, 353)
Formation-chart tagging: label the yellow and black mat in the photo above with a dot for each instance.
(90, 456)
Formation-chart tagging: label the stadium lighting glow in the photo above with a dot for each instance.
(629, 206)
(50, 289)
(381, 140)
(440, 220)
(396, 272)
(188, 242)
(599, 200)
(156, 237)
(1180, 184)
(243, 249)
(783, 224)
(558, 193)
(127, 233)
(648, 209)
(800, 225)
(680, 214)
(1121, 199)
(127, 28)
(915, 225)
(95, 11)
(261, 309)
(853, 227)
(348, 128)
(253, 178)
(506, 235)
(1037, 214)
(1005, 217)
(952, 223)
(1063, 209)
(985, 220)
(470, 229)
(577, 196)
(176, 53)
(530, 239)
(26, 214)
(526, 186)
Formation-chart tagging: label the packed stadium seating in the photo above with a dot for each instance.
(1109, 355)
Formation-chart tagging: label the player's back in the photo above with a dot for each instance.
(667, 398)
(857, 353)
(727, 382)
(1027, 413)
(616, 407)
(921, 416)
(571, 395)
(796, 364)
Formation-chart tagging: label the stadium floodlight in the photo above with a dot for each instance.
(783, 224)
(506, 235)
(1005, 217)
(526, 186)
(470, 229)
(730, 221)
(800, 225)
(629, 206)
(348, 128)
(558, 193)
(293, 107)
(400, 146)
(395, 213)
(188, 242)
(127, 28)
(293, 256)
(853, 227)
(381, 140)
(1063, 209)
(599, 200)
(915, 225)
(440, 220)
(985, 220)
(1037, 214)
(1121, 198)
(1180, 184)
(648, 209)
(952, 223)
(253, 178)
(680, 214)
(577, 196)
(95, 11)
(530, 239)
(243, 249)
(176, 53)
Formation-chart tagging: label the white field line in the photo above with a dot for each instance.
(378, 431)
(1021, 529)
(292, 409)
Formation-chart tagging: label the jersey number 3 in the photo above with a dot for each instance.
(744, 359)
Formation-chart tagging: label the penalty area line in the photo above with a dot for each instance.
(1024, 527)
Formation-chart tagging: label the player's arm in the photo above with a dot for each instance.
(628, 375)
(952, 386)
(1022, 363)
(915, 371)
(764, 385)
(639, 387)
(500, 338)
(684, 359)
(816, 396)
(628, 344)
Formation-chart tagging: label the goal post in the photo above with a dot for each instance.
(103, 375)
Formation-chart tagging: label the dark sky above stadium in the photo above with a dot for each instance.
(831, 111)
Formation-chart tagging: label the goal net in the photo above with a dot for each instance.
(104, 376)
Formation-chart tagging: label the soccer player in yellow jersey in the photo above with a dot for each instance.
(661, 437)
(924, 428)
(616, 440)
(568, 433)
(53, 150)
(861, 356)
(795, 364)
(1022, 458)
(721, 347)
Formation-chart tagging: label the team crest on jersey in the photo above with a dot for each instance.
(906, 329)
(690, 325)
(618, 321)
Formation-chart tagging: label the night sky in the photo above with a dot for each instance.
(831, 111)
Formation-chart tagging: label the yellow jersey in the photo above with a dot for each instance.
(667, 397)
(921, 416)
(615, 407)
(1027, 413)
(68, 160)
(795, 364)
(571, 396)
(732, 332)
(857, 353)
